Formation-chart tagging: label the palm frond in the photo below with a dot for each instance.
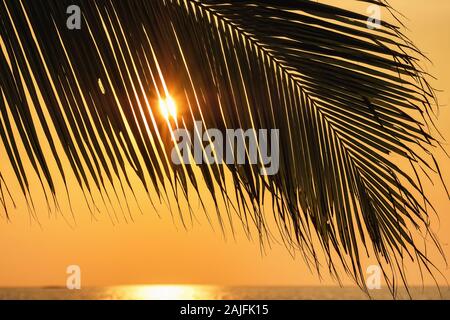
(346, 99)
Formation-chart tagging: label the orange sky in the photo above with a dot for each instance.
(156, 250)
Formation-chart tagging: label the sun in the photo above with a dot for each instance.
(168, 108)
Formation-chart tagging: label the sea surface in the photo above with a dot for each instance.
(189, 292)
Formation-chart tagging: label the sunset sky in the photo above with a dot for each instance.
(158, 250)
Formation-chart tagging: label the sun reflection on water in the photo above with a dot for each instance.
(168, 292)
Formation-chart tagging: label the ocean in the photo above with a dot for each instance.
(197, 292)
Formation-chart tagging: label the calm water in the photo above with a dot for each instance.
(185, 292)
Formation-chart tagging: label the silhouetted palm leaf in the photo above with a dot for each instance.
(345, 98)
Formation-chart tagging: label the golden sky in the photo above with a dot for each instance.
(156, 249)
